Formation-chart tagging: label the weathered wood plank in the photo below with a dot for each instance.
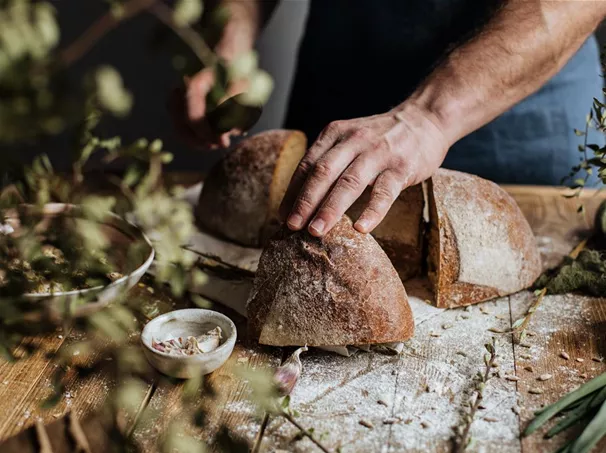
(26, 384)
(569, 324)
(566, 324)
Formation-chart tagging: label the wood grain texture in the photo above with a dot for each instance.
(28, 382)
(573, 325)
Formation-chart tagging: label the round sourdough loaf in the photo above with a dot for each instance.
(337, 290)
(242, 194)
(480, 244)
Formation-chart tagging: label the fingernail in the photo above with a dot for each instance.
(362, 225)
(295, 221)
(317, 226)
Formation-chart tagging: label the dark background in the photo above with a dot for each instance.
(149, 75)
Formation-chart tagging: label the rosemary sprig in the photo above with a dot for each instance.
(463, 440)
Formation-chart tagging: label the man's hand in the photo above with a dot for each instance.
(188, 109)
(187, 104)
(390, 151)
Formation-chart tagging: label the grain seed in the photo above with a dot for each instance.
(529, 368)
(544, 377)
(366, 423)
(490, 419)
(583, 375)
(535, 391)
(580, 360)
(512, 378)
(597, 359)
(391, 421)
(564, 355)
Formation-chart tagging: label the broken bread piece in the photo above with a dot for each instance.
(242, 194)
(401, 232)
(480, 245)
(337, 290)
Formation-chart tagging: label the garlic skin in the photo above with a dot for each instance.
(287, 375)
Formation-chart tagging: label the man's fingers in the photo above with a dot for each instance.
(386, 189)
(346, 190)
(320, 179)
(196, 90)
(325, 141)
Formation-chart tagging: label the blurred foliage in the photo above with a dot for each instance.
(37, 99)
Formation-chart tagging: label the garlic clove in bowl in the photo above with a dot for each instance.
(185, 335)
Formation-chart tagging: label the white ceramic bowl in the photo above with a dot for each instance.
(183, 323)
(121, 235)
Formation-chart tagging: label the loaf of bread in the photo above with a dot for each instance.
(337, 290)
(480, 245)
(401, 233)
(241, 195)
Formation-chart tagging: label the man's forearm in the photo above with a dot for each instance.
(521, 48)
(247, 19)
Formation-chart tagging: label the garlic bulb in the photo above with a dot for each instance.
(287, 375)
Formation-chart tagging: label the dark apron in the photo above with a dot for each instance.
(360, 58)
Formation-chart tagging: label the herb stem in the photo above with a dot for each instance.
(99, 29)
(188, 35)
(463, 440)
(306, 433)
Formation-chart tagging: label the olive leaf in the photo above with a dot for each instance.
(111, 92)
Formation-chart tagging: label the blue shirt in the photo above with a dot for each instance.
(360, 58)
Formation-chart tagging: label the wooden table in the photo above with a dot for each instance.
(422, 391)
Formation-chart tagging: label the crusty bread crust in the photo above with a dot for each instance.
(240, 194)
(480, 244)
(337, 290)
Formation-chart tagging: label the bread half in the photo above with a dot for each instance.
(480, 245)
(337, 290)
(241, 195)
